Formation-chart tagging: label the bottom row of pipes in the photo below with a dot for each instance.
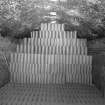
(52, 73)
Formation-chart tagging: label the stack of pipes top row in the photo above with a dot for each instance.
(52, 27)
(51, 55)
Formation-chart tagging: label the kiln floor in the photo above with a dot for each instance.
(69, 94)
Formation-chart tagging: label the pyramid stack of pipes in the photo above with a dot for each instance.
(51, 56)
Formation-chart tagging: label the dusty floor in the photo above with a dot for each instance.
(69, 94)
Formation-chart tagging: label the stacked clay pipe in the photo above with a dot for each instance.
(51, 55)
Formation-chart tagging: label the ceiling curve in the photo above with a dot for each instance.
(85, 16)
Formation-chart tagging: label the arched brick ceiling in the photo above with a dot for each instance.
(86, 16)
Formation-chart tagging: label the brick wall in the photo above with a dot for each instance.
(97, 49)
(4, 69)
(98, 72)
(5, 48)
